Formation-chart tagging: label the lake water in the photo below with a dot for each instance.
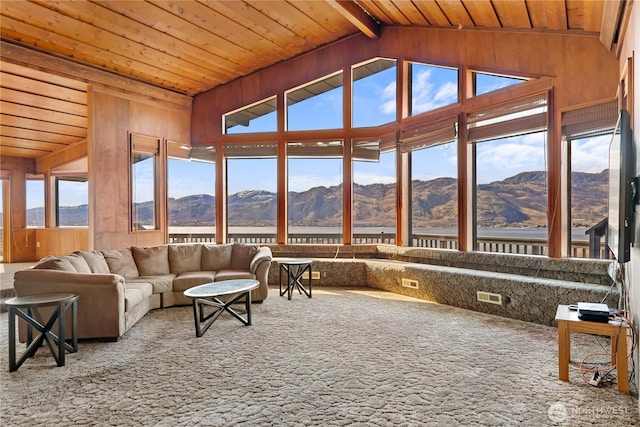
(524, 233)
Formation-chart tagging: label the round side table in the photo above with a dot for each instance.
(293, 270)
(28, 309)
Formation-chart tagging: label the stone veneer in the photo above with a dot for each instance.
(531, 286)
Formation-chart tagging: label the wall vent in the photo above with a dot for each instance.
(409, 283)
(315, 275)
(489, 297)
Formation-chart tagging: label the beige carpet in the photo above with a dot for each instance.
(345, 357)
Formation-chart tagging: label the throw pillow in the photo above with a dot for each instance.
(96, 261)
(55, 263)
(185, 258)
(151, 261)
(121, 262)
(216, 257)
(78, 263)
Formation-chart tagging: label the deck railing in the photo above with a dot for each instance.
(511, 245)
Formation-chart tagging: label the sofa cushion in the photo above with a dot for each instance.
(78, 263)
(135, 293)
(121, 262)
(190, 279)
(241, 256)
(183, 258)
(151, 261)
(55, 263)
(161, 283)
(96, 261)
(216, 257)
(232, 275)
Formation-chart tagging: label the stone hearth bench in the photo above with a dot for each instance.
(530, 287)
(116, 288)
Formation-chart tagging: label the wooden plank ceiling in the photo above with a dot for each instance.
(192, 46)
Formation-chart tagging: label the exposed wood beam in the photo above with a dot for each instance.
(357, 16)
(610, 22)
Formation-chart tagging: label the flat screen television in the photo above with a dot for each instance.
(621, 174)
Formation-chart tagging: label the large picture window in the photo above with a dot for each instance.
(511, 176)
(588, 132)
(35, 201)
(145, 151)
(72, 201)
(374, 190)
(251, 192)
(315, 191)
(191, 189)
(434, 183)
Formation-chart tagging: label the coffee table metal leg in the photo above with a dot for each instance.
(61, 335)
(12, 339)
(295, 276)
(204, 321)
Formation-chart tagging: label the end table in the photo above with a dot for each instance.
(27, 308)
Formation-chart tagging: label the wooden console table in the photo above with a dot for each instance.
(568, 322)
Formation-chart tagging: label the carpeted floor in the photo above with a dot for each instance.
(345, 357)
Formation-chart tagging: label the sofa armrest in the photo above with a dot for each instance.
(100, 298)
(49, 278)
(263, 254)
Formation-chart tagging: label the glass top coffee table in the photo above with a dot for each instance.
(209, 294)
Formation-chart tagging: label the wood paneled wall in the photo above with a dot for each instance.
(112, 118)
(117, 105)
(60, 241)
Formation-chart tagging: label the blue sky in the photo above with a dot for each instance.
(374, 104)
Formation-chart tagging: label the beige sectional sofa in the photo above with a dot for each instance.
(117, 288)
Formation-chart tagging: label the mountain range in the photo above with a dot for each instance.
(518, 201)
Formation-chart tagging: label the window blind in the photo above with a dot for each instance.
(515, 117)
(144, 144)
(590, 121)
(326, 149)
(429, 135)
(367, 151)
(251, 150)
(176, 150)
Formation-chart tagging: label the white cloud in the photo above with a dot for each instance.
(364, 178)
(301, 183)
(389, 98)
(497, 160)
(426, 96)
(447, 93)
(590, 155)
